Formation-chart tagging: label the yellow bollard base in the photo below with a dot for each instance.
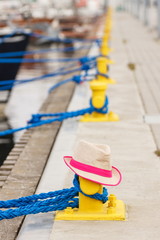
(110, 81)
(106, 80)
(108, 213)
(100, 117)
(111, 50)
(109, 61)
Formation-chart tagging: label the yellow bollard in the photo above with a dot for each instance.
(87, 204)
(105, 38)
(92, 209)
(105, 50)
(105, 42)
(98, 100)
(102, 67)
(107, 30)
(108, 25)
(91, 182)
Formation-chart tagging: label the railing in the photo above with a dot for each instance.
(148, 11)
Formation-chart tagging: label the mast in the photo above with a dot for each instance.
(75, 9)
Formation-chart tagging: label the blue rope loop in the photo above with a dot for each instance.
(103, 109)
(47, 202)
(101, 197)
(77, 79)
(23, 201)
(86, 67)
(60, 118)
(36, 120)
(8, 84)
(42, 51)
(101, 74)
(84, 59)
(98, 42)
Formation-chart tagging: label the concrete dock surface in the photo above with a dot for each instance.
(133, 141)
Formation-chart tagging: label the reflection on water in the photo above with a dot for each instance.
(6, 142)
(8, 71)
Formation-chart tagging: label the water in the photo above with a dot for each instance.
(6, 142)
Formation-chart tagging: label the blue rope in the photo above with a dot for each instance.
(101, 197)
(82, 60)
(65, 40)
(104, 75)
(46, 202)
(36, 118)
(77, 79)
(9, 84)
(42, 51)
(20, 60)
(59, 84)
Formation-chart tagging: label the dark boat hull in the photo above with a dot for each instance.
(17, 42)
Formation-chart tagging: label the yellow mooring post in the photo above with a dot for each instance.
(102, 66)
(107, 30)
(105, 38)
(98, 100)
(108, 25)
(104, 49)
(93, 168)
(92, 209)
(104, 53)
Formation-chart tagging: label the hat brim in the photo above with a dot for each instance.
(113, 181)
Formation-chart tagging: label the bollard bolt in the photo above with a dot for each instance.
(68, 210)
(112, 201)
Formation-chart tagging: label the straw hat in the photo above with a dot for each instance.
(92, 162)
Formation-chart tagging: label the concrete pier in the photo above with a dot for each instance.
(132, 140)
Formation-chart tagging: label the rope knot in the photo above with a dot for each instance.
(103, 109)
(77, 79)
(83, 60)
(86, 67)
(101, 197)
(35, 119)
(98, 42)
(67, 40)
